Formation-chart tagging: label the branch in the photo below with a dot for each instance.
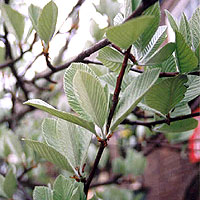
(163, 121)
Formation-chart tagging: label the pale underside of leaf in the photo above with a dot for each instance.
(133, 95)
(91, 96)
(61, 114)
(42, 193)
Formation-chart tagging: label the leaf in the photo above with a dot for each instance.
(178, 126)
(50, 154)
(42, 193)
(68, 139)
(66, 189)
(172, 21)
(186, 59)
(184, 29)
(135, 4)
(133, 95)
(161, 55)
(193, 90)
(112, 59)
(135, 163)
(154, 44)
(69, 89)
(180, 109)
(2, 54)
(126, 34)
(14, 21)
(2, 193)
(118, 166)
(10, 184)
(34, 13)
(47, 22)
(195, 27)
(146, 36)
(178, 137)
(60, 114)
(169, 65)
(166, 94)
(91, 96)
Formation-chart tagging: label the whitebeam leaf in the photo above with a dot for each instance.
(37, 103)
(69, 90)
(172, 21)
(42, 193)
(91, 96)
(164, 95)
(161, 55)
(70, 140)
(14, 21)
(34, 13)
(112, 59)
(133, 94)
(47, 22)
(186, 58)
(126, 34)
(50, 154)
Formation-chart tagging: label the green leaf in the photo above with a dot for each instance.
(180, 109)
(126, 34)
(172, 21)
(178, 137)
(186, 59)
(166, 94)
(169, 65)
(133, 95)
(91, 96)
(135, 163)
(60, 114)
(2, 193)
(154, 44)
(2, 54)
(14, 21)
(118, 166)
(184, 29)
(112, 59)
(161, 55)
(47, 22)
(146, 36)
(50, 154)
(178, 126)
(68, 139)
(195, 27)
(10, 184)
(67, 189)
(34, 13)
(135, 4)
(193, 90)
(69, 89)
(42, 193)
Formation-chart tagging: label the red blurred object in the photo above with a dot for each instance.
(194, 142)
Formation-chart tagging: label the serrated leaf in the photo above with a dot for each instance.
(195, 27)
(67, 189)
(184, 29)
(135, 163)
(69, 89)
(193, 90)
(161, 55)
(112, 59)
(166, 94)
(126, 34)
(47, 22)
(10, 184)
(68, 139)
(91, 96)
(14, 21)
(178, 126)
(51, 154)
(34, 13)
(154, 44)
(149, 32)
(186, 59)
(42, 193)
(172, 21)
(60, 114)
(133, 95)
